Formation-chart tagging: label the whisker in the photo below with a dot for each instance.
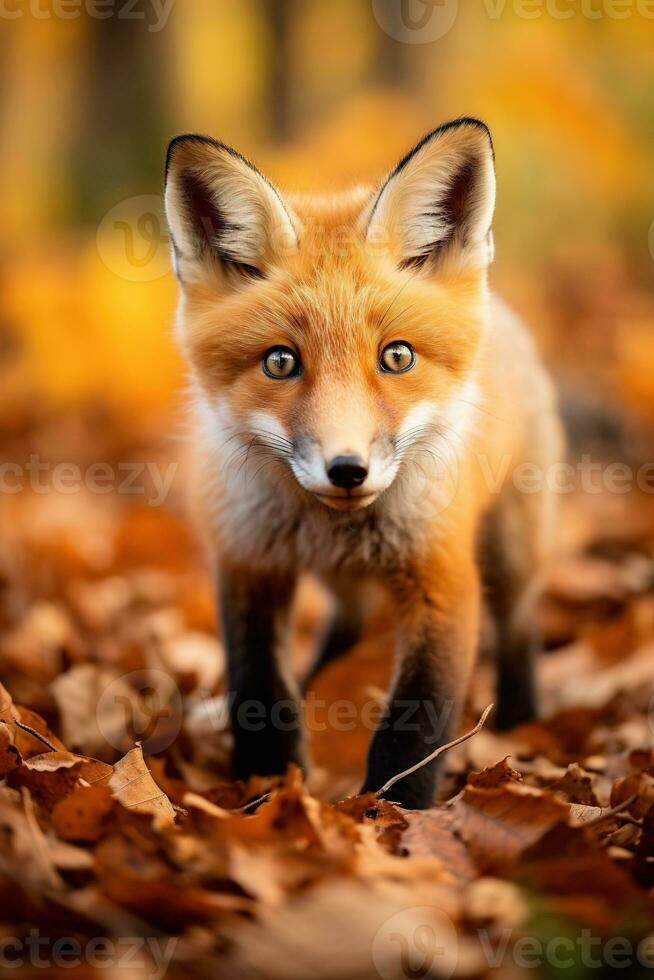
(395, 298)
(479, 408)
(403, 312)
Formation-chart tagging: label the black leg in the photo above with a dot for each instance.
(516, 682)
(512, 590)
(421, 715)
(264, 708)
(438, 641)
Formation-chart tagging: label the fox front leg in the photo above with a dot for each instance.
(438, 637)
(263, 699)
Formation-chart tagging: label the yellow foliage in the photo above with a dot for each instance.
(568, 100)
(89, 335)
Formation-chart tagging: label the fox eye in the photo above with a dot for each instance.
(398, 357)
(281, 362)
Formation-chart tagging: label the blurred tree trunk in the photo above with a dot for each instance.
(279, 16)
(392, 66)
(123, 133)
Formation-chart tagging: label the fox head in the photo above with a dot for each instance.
(334, 335)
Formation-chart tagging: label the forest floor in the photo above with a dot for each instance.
(125, 850)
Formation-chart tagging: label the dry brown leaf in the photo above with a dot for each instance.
(93, 771)
(493, 901)
(494, 776)
(197, 655)
(195, 802)
(10, 757)
(431, 833)
(568, 861)
(84, 815)
(131, 783)
(642, 785)
(498, 824)
(30, 744)
(8, 711)
(40, 639)
(291, 815)
(289, 886)
(49, 777)
(576, 786)
(26, 856)
(388, 821)
(351, 929)
(233, 796)
(142, 706)
(93, 722)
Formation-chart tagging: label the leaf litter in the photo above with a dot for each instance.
(119, 820)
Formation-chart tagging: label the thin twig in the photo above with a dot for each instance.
(455, 799)
(37, 735)
(255, 802)
(439, 751)
(627, 818)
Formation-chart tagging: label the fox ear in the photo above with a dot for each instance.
(436, 206)
(225, 218)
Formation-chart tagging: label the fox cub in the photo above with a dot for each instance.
(364, 406)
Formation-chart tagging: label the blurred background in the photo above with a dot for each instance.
(319, 93)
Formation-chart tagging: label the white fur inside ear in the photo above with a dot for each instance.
(490, 247)
(220, 208)
(255, 221)
(440, 200)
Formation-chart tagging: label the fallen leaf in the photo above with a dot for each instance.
(8, 711)
(133, 786)
(84, 814)
(494, 776)
(10, 757)
(49, 777)
(431, 833)
(498, 824)
(576, 786)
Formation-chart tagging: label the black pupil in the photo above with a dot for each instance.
(281, 361)
(398, 355)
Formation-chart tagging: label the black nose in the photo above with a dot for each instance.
(347, 471)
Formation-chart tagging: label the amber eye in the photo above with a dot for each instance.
(281, 362)
(397, 357)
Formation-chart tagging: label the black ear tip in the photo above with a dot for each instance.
(182, 140)
(472, 121)
(435, 134)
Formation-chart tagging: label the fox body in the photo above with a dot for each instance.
(362, 406)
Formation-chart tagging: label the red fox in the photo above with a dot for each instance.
(363, 406)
